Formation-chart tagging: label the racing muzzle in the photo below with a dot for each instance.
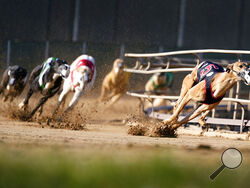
(65, 71)
(245, 75)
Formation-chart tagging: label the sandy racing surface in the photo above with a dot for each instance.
(99, 127)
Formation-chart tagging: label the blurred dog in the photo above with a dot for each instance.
(47, 79)
(158, 84)
(81, 79)
(207, 84)
(13, 82)
(115, 83)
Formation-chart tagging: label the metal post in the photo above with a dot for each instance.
(161, 49)
(84, 47)
(213, 113)
(76, 20)
(122, 50)
(47, 49)
(229, 103)
(236, 96)
(8, 53)
(181, 23)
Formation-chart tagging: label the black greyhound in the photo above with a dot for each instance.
(47, 79)
(13, 82)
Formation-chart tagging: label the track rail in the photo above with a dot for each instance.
(134, 94)
(183, 52)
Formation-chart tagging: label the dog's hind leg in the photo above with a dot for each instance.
(202, 108)
(187, 84)
(202, 118)
(41, 110)
(41, 102)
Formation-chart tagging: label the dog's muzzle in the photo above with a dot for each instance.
(245, 75)
(65, 71)
(12, 81)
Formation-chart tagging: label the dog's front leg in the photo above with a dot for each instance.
(202, 118)
(114, 99)
(187, 84)
(203, 108)
(78, 93)
(103, 93)
(62, 98)
(173, 119)
(23, 105)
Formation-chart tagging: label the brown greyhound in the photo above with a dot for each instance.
(115, 83)
(208, 84)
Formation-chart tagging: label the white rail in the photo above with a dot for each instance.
(245, 101)
(183, 52)
(158, 70)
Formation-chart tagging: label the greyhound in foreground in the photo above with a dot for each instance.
(47, 79)
(13, 82)
(81, 80)
(208, 84)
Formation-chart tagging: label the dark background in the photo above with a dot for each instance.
(141, 25)
(207, 24)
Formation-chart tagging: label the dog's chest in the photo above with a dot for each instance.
(119, 79)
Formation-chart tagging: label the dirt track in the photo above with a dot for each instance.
(103, 128)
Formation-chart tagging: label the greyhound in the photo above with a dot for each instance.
(208, 84)
(81, 79)
(13, 82)
(115, 83)
(47, 79)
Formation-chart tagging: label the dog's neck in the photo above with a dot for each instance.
(226, 83)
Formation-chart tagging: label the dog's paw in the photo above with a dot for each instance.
(22, 106)
(166, 122)
(164, 131)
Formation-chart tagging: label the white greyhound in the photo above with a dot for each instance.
(81, 79)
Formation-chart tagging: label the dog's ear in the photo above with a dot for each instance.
(229, 68)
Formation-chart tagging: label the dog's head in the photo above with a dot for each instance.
(83, 71)
(61, 67)
(242, 70)
(16, 73)
(118, 65)
(160, 78)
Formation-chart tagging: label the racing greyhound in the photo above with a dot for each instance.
(13, 82)
(47, 79)
(81, 80)
(115, 83)
(208, 84)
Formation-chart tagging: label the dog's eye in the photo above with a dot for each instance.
(241, 66)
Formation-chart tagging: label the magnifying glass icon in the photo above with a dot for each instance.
(231, 158)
